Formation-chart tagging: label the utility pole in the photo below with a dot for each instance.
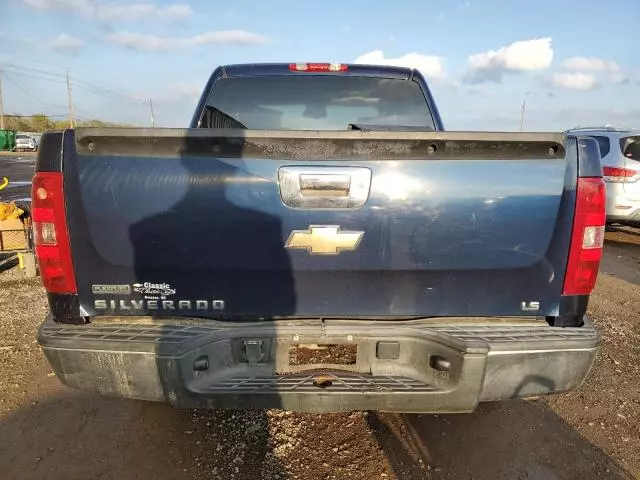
(524, 103)
(1, 105)
(71, 119)
(153, 120)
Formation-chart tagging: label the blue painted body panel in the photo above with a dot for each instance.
(441, 237)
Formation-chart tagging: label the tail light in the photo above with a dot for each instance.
(620, 175)
(318, 67)
(50, 233)
(587, 238)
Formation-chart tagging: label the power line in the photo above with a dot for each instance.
(54, 77)
(106, 92)
(19, 87)
(34, 70)
(32, 76)
(55, 74)
(39, 100)
(54, 115)
(61, 78)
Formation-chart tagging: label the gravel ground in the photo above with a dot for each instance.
(48, 431)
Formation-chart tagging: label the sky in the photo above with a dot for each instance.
(573, 62)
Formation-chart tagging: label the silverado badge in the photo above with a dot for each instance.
(324, 239)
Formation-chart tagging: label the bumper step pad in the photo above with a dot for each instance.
(337, 381)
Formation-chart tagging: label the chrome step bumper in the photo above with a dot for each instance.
(445, 365)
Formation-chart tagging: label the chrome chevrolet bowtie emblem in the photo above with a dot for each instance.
(324, 240)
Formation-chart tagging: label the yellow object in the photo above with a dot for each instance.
(4, 182)
(9, 211)
(20, 262)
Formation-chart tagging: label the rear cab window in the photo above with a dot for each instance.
(321, 102)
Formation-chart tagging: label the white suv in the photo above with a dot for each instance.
(25, 142)
(620, 152)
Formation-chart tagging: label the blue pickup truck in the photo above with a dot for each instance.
(316, 241)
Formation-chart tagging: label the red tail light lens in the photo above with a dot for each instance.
(587, 238)
(620, 175)
(318, 67)
(50, 233)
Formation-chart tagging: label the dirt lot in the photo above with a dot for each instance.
(48, 431)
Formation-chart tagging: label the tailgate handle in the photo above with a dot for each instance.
(324, 184)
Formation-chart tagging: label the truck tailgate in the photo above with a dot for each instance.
(214, 223)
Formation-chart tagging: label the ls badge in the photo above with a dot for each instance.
(324, 239)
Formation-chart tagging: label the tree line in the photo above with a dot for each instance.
(40, 122)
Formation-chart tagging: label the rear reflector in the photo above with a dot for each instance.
(318, 67)
(620, 175)
(50, 233)
(45, 233)
(587, 237)
(593, 237)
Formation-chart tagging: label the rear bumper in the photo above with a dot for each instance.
(631, 217)
(440, 367)
(621, 209)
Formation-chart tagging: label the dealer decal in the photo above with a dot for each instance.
(148, 288)
(111, 289)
